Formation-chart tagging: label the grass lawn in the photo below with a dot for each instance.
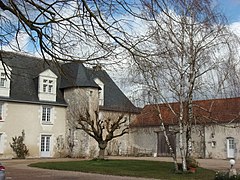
(137, 168)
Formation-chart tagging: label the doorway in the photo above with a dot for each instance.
(230, 147)
(45, 145)
(162, 147)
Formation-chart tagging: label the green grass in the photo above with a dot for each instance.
(137, 168)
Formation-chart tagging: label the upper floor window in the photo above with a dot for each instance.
(3, 79)
(100, 92)
(46, 114)
(5, 75)
(47, 86)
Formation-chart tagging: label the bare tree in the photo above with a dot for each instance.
(69, 30)
(83, 115)
(188, 40)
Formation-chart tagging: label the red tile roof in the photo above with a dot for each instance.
(205, 111)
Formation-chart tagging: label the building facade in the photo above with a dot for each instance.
(37, 98)
(215, 130)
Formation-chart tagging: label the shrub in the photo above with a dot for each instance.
(19, 147)
(192, 162)
(225, 176)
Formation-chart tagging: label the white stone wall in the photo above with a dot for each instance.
(79, 100)
(219, 135)
(144, 139)
(119, 145)
(27, 117)
(208, 141)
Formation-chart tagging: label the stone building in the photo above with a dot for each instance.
(215, 132)
(36, 97)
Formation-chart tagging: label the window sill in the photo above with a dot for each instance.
(47, 123)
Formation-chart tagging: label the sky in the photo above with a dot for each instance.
(231, 9)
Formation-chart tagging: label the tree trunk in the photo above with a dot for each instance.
(170, 148)
(102, 146)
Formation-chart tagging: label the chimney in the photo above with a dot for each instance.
(97, 67)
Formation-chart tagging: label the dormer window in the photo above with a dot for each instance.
(3, 80)
(47, 86)
(5, 74)
(101, 91)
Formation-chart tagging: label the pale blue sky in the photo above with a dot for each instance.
(231, 9)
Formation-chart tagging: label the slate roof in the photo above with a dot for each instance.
(205, 112)
(24, 78)
(76, 75)
(24, 81)
(114, 98)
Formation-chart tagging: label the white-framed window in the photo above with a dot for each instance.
(46, 114)
(5, 76)
(100, 92)
(45, 147)
(47, 86)
(3, 79)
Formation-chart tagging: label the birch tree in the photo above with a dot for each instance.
(188, 38)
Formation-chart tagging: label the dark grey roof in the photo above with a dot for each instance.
(114, 98)
(24, 81)
(76, 75)
(24, 77)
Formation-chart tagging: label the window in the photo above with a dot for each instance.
(3, 80)
(90, 93)
(101, 91)
(100, 97)
(45, 145)
(231, 143)
(213, 144)
(47, 86)
(46, 114)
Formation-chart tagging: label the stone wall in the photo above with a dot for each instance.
(216, 140)
(80, 144)
(27, 117)
(79, 101)
(142, 140)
